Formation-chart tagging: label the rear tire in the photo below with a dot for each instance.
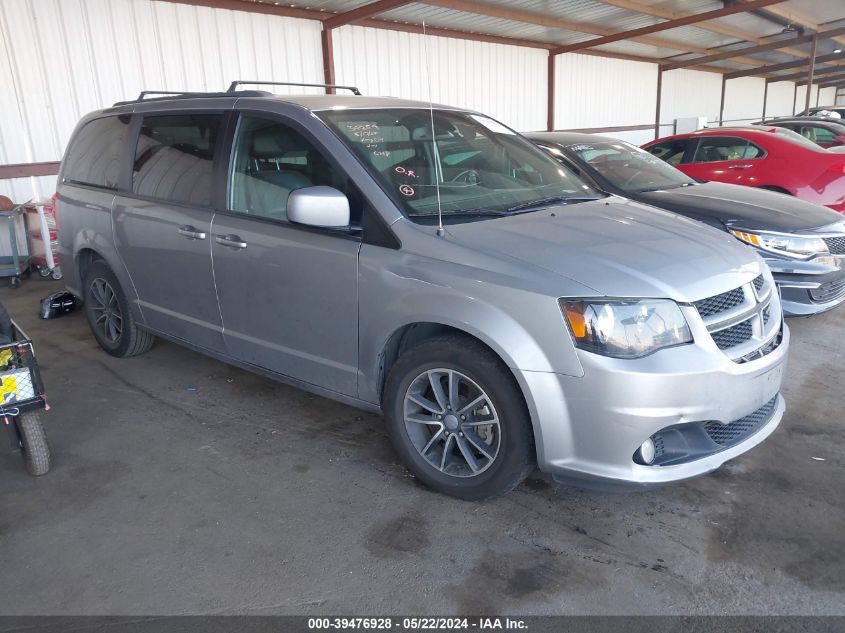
(109, 317)
(36, 450)
(7, 331)
(470, 451)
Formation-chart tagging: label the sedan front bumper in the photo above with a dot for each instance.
(589, 428)
(807, 288)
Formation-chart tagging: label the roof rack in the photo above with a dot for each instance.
(160, 95)
(177, 94)
(234, 85)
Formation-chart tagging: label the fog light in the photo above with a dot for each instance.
(646, 452)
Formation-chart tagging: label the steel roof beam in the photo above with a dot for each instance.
(832, 81)
(362, 13)
(832, 70)
(669, 24)
(714, 27)
(797, 18)
(549, 21)
(784, 66)
(755, 49)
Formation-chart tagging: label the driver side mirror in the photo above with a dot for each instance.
(318, 206)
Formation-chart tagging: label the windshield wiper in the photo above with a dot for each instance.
(666, 187)
(546, 202)
(472, 212)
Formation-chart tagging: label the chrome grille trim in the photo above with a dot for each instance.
(744, 330)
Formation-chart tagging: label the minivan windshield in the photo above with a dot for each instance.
(471, 166)
(629, 168)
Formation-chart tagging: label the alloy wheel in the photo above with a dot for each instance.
(105, 309)
(452, 422)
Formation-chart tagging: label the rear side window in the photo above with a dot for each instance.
(174, 158)
(670, 151)
(96, 154)
(718, 148)
(817, 134)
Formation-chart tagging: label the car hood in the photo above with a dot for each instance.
(619, 248)
(746, 207)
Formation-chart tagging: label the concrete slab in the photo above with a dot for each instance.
(183, 485)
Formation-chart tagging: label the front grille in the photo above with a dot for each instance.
(734, 335)
(836, 245)
(726, 435)
(740, 318)
(829, 291)
(720, 303)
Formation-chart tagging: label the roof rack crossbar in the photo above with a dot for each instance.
(234, 85)
(144, 94)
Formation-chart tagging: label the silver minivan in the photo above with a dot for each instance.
(431, 264)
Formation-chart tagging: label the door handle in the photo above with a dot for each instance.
(740, 166)
(232, 241)
(191, 232)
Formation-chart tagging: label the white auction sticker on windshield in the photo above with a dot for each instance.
(493, 126)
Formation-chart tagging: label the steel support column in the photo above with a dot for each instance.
(722, 100)
(657, 102)
(765, 98)
(810, 73)
(328, 58)
(550, 103)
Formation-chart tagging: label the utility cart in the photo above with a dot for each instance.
(13, 262)
(22, 396)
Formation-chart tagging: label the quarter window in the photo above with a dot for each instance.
(174, 158)
(712, 149)
(817, 134)
(271, 160)
(670, 151)
(96, 155)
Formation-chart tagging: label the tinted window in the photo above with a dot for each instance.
(817, 134)
(173, 159)
(97, 152)
(459, 162)
(629, 168)
(670, 151)
(272, 159)
(712, 149)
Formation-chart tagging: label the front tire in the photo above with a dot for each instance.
(457, 419)
(109, 317)
(36, 450)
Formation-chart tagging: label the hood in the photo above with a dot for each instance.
(619, 248)
(747, 207)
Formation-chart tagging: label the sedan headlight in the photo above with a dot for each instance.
(789, 245)
(622, 328)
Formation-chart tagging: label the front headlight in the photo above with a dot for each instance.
(623, 328)
(789, 245)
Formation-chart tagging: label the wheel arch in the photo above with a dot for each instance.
(410, 335)
(83, 260)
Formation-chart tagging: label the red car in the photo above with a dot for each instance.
(766, 157)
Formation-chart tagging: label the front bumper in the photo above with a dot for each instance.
(809, 289)
(588, 428)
